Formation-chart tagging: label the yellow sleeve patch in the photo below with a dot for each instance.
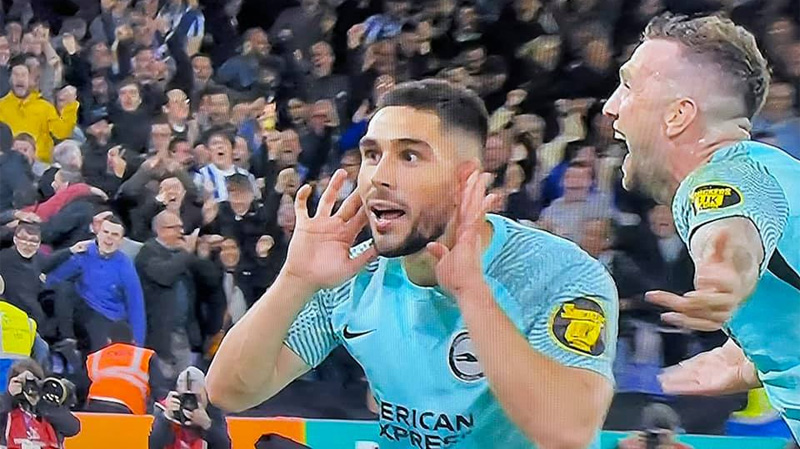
(578, 325)
(714, 197)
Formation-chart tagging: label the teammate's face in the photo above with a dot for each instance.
(408, 179)
(639, 108)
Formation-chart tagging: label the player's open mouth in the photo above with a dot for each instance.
(385, 215)
(619, 135)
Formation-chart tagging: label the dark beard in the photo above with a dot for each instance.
(414, 243)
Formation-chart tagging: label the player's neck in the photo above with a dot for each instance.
(420, 267)
(696, 152)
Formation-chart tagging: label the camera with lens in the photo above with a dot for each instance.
(188, 402)
(51, 390)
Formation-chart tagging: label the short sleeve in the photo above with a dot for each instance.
(737, 188)
(311, 336)
(577, 324)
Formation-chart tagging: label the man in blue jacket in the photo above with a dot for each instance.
(106, 289)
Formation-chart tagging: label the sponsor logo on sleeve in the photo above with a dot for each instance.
(714, 197)
(579, 326)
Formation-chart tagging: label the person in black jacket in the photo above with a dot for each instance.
(22, 267)
(30, 419)
(164, 265)
(254, 229)
(16, 176)
(132, 118)
(171, 196)
(185, 418)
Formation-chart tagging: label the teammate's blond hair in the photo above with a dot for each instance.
(715, 40)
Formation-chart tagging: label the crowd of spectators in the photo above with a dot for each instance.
(151, 149)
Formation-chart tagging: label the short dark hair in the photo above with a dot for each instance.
(113, 219)
(120, 332)
(455, 106)
(223, 131)
(159, 119)
(129, 81)
(174, 143)
(18, 60)
(720, 41)
(25, 137)
(28, 228)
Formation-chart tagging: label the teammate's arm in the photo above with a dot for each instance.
(723, 370)
(253, 363)
(727, 254)
(534, 389)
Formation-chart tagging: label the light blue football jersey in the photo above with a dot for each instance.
(761, 183)
(417, 354)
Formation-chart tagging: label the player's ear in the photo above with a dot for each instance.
(680, 115)
(464, 169)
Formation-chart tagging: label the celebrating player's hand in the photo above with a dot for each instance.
(319, 252)
(723, 370)
(458, 268)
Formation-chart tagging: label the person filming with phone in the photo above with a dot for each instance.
(185, 419)
(35, 411)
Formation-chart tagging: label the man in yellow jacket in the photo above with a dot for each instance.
(25, 111)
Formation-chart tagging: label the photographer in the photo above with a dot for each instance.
(185, 418)
(660, 423)
(35, 412)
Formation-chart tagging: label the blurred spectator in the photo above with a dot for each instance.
(251, 225)
(131, 118)
(106, 289)
(297, 29)
(212, 176)
(242, 71)
(567, 215)
(71, 214)
(322, 83)
(5, 57)
(164, 264)
(16, 175)
(103, 167)
(67, 156)
(177, 111)
(186, 418)
(21, 267)
(124, 378)
(25, 145)
(185, 18)
(67, 187)
(386, 25)
(171, 196)
(779, 120)
(581, 153)
(24, 110)
(113, 14)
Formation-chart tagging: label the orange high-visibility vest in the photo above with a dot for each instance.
(120, 374)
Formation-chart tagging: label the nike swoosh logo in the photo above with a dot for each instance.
(349, 335)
